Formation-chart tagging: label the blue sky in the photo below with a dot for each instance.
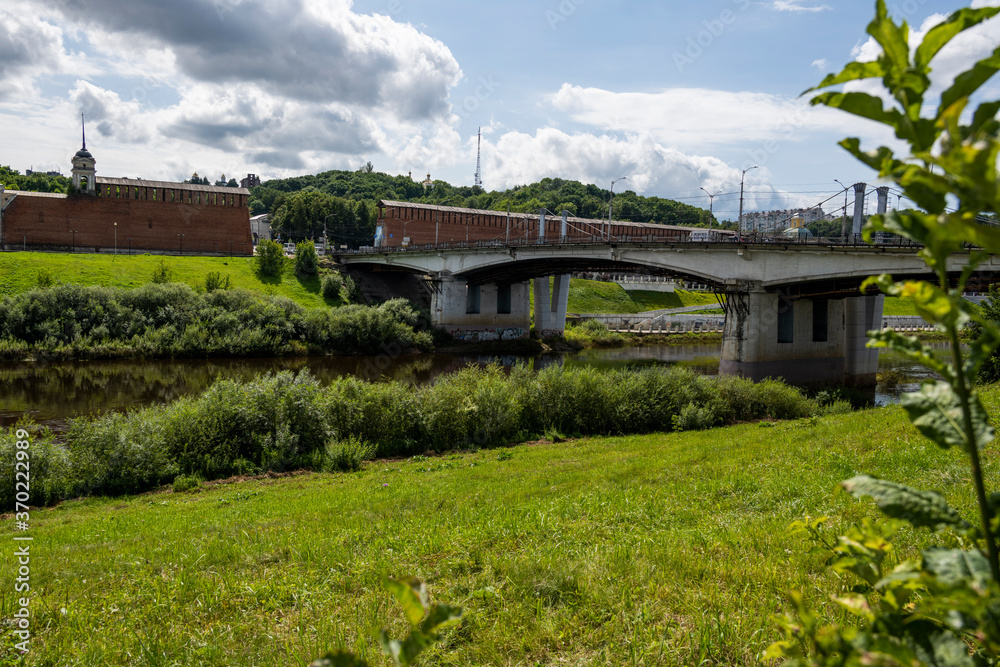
(673, 95)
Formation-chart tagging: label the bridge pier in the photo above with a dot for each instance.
(550, 305)
(481, 312)
(801, 340)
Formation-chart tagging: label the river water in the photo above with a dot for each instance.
(52, 393)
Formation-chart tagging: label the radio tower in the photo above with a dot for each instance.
(479, 171)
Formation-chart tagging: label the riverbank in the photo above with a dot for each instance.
(667, 549)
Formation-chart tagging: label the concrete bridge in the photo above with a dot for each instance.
(792, 309)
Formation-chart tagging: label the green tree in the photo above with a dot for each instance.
(306, 259)
(270, 258)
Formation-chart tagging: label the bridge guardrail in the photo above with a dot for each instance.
(851, 241)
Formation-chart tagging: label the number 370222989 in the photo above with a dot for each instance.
(22, 485)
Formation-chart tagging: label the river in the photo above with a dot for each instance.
(52, 393)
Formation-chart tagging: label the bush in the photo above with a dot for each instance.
(45, 278)
(162, 273)
(306, 259)
(49, 465)
(184, 483)
(346, 455)
(331, 285)
(215, 281)
(270, 258)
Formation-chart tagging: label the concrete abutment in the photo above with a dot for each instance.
(801, 340)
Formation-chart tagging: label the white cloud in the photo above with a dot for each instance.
(795, 6)
(517, 158)
(821, 64)
(695, 118)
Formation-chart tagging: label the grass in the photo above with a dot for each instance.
(591, 296)
(666, 549)
(19, 273)
(895, 305)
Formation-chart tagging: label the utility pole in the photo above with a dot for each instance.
(739, 220)
(710, 198)
(611, 200)
(843, 222)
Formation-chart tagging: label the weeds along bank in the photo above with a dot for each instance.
(284, 422)
(173, 320)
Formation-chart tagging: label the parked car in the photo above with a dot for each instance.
(290, 248)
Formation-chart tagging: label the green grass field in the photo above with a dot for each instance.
(19, 273)
(591, 296)
(664, 549)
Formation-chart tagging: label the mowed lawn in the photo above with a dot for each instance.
(19, 272)
(591, 296)
(664, 549)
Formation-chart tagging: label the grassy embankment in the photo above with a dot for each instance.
(19, 273)
(667, 549)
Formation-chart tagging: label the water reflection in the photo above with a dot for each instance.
(51, 393)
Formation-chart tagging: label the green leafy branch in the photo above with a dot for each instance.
(944, 608)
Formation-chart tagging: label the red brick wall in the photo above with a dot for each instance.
(152, 225)
(423, 225)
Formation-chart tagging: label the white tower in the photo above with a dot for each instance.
(84, 174)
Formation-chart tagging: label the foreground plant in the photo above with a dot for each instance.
(427, 621)
(943, 609)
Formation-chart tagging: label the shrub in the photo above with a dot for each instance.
(184, 483)
(331, 285)
(306, 259)
(215, 281)
(45, 278)
(346, 455)
(49, 465)
(270, 258)
(162, 273)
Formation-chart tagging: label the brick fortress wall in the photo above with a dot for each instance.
(425, 224)
(209, 225)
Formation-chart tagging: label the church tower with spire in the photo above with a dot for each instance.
(84, 174)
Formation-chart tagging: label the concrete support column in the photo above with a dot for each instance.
(550, 305)
(861, 315)
(769, 335)
(883, 199)
(859, 207)
(482, 315)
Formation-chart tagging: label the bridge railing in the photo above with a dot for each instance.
(748, 239)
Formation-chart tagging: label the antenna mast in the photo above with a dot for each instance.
(479, 171)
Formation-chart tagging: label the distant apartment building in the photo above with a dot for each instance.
(776, 221)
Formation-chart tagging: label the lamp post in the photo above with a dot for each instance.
(74, 240)
(116, 238)
(181, 237)
(843, 222)
(130, 246)
(326, 234)
(710, 198)
(739, 221)
(611, 200)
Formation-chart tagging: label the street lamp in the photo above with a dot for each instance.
(116, 238)
(739, 221)
(611, 200)
(74, 240)
(710, 198)
(181, 237)
(130, 246)
(843, 223)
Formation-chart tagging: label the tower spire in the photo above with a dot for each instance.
(479, 171)
(83, 130)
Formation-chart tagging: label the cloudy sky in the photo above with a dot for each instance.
(674, 95)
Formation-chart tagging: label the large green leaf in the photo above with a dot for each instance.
(936, 411)
(852, 72)
(860, 104)
(440, 617)
(968, 82)
(957, 566)
(411, 595)
(921, 508)
(938, 36)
